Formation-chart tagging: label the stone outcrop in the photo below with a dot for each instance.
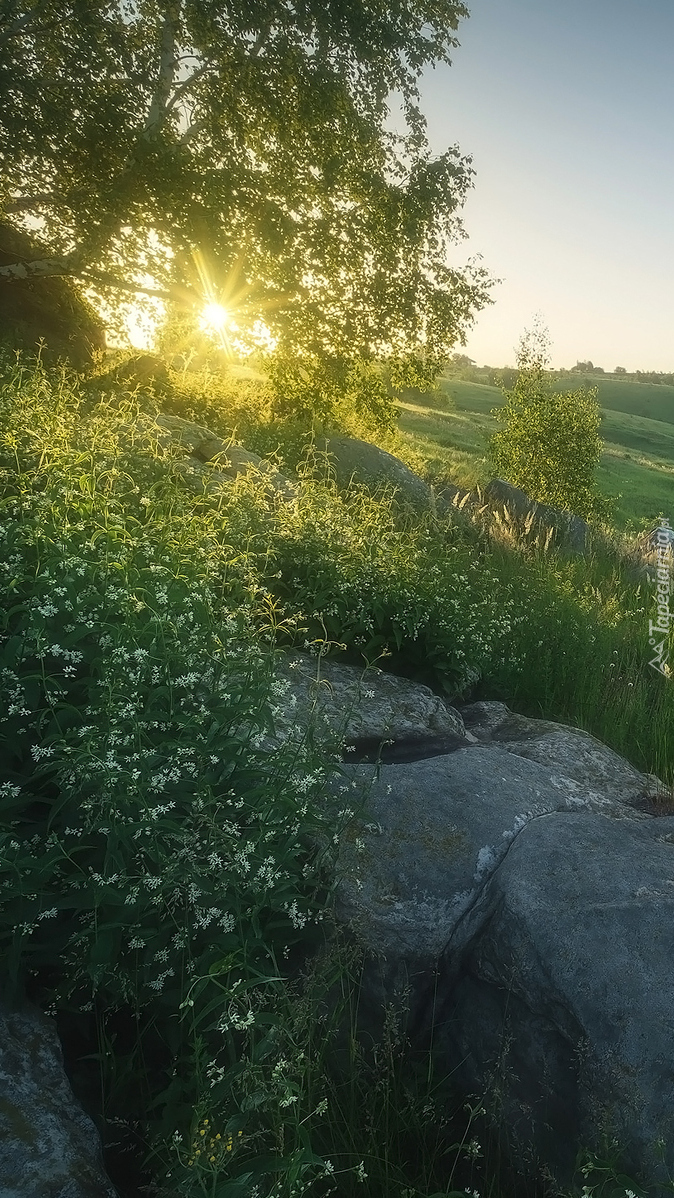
(49, 1148)
(510, 884)
(570, 531)
(358, 461)
(515, 903)
(600, 774)
(47, 309)
(365, 714)
(208, 463)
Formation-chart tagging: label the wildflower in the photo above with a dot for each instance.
(37, 752)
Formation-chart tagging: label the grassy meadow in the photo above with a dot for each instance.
(451, 427)
(163, 892)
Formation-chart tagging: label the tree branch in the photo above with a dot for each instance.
(186, 84)
(192, 131)
(25, 203)
(43, 268)
(21, 25)
(261, 40)
(110, 280)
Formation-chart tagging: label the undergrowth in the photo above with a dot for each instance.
(166, 882)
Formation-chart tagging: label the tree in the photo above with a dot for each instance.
(460, 362)
(201, 149)
(549, 445)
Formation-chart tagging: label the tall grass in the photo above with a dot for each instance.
(166, 884)
(583, 655)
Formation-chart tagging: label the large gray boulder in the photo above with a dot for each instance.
(513, 900)
(49, 1148)
(362, 713)
(566, 991)
(358, 461)
(569, 531)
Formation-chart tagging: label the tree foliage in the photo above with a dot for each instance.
(238, 151)
(549, 445)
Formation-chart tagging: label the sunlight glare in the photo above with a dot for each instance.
(214, 317)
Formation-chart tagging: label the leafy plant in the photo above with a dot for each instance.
(550, 444)
(166, 882)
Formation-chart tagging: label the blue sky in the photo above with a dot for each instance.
(567, 110)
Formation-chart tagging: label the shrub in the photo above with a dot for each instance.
(550, 445)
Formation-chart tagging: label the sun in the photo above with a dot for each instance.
(214, 318)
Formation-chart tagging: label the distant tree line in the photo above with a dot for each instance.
(464, 369)
(637, 376)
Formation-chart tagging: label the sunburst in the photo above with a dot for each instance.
(214, 318)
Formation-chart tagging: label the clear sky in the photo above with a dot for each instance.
(567, 109)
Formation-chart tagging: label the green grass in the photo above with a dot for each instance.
(654, 401)
(451, 428)
(137, 645)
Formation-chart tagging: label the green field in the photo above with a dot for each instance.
(451, 427)
(656, 401)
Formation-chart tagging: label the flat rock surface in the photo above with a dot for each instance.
(513, 895)
(571, 753)
(432, 831)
